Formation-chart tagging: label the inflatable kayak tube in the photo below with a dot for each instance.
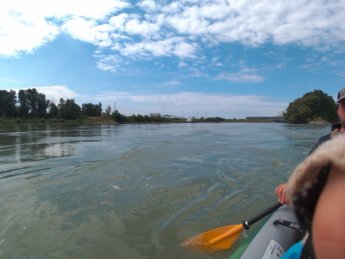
(273, 239)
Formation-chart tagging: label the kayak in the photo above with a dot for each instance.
(272, 238)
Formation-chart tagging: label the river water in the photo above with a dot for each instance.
(137, 191)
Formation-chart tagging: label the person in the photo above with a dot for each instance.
(316, 192)
(328, 226)
(311, 200)
(337, 128)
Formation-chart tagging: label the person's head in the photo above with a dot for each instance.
(341, 106)
(341, 95)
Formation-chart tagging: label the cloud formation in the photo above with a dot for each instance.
(168, 28)
(53, 93)
(245, 75)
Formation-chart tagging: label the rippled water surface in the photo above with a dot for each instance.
(137, 191)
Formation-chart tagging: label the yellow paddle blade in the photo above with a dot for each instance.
(216, 239)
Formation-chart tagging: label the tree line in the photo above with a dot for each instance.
(32, 104)
(313, 106)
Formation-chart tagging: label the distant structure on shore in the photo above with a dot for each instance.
(266, 119)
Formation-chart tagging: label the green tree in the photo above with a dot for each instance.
(53, 110)
(61, 107)
(118, 116)
(314, 105)
(108, 110)
(41, 105)
(24, 103)
(7, 103)
(69, 109)
(92, 110)
(32, 103)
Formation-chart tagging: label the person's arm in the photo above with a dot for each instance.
(281, 189)
(328, 227)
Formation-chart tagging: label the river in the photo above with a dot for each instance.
(137, 191)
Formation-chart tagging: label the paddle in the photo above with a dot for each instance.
(223, 237)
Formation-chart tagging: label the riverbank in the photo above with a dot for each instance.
(83, 120)
(110, 120)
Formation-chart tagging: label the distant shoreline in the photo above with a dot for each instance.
(103, 120)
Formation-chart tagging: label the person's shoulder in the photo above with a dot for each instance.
(334, 128)
(321, 139)
(324, 138)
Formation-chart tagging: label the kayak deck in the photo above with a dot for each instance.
(271, 239)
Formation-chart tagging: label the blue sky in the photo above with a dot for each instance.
(189, 57)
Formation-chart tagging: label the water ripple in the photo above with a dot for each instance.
(136, 191)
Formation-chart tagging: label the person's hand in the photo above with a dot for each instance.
(281, 193)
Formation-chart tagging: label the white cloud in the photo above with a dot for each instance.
(150, 28)
(53, 93)
(80, 28)
(108, 62)
(96, 10)
(189, 22)
(26, 25)
(89, 31)
(240, 77)
(245, 75)
(24, 35)
(56, 92)
(167, 47)
(196, 72)
(143, 28)
(149, 5)
(172, 83)
(118, 22)
(172, 8)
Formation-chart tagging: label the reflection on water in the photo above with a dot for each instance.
(59, 150)
(136, 191)
(28, 143)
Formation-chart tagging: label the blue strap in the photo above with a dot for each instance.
(294, 252)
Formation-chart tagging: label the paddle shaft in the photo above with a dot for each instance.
(247, 223)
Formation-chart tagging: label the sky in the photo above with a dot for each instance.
(190, 58)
